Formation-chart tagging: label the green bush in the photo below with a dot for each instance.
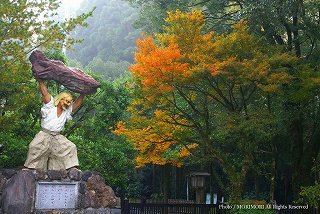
(111, 158)
(310, 195)
(13, 150)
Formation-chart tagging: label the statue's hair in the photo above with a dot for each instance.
(61, 96)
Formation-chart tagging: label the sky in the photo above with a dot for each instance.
(70, 7)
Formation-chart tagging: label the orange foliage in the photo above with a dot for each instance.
(152, 138)
(158, 66)
(182, 56)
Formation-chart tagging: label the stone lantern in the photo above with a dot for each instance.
(197, 182)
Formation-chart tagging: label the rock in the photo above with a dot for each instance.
(82, 187)
(104, 194)
(19, 193)
(17, 208)
(86, 175)
(54, 174)
(89, 199)
(72, 78)
(90, 211)
(74, 174)
(107, 197)
(96, 178)
(8, 173)
(41, 174)
(97, 211)
(3, 180)
(99, 174)
(64, 173)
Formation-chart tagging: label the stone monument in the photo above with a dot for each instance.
(64, 191)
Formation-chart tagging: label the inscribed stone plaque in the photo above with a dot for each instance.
(56, 195)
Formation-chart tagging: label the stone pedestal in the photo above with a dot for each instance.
(64, 191)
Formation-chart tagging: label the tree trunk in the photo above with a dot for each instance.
(295, 28)
(304, 170)
(180, 187)
(272, 179)
(237, 182)
(289, 35)
(304, 155)
(165, 180)
(236, 189)
(256, 184)
(154, 189)
(296, 130)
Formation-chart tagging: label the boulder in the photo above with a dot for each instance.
(41, 174)
(8, 173)
(72, 78)
(86, 175)
(19, 192)
(104, 195)
(3, 181)
(74, 174)
(54, 174)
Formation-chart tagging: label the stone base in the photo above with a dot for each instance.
(18, 191)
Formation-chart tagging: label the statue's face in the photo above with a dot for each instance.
(65, 102)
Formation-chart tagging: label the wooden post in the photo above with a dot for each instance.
(125, 208)
(200, 195)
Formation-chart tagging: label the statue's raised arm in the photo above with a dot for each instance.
(44, 91)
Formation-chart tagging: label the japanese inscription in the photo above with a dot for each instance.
(56, 195)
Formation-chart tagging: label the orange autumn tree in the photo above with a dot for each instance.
(153, 129)
(203, 95)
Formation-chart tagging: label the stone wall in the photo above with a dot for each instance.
(18, 191)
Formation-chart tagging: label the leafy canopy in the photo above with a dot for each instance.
(186, 77)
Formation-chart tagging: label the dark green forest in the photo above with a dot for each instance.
(109, 39)
(234, 94)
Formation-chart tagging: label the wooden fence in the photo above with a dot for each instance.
(169, 208)
(181, 207)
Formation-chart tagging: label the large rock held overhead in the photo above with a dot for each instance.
(72, 78)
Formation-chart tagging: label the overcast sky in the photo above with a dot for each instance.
(70, 7)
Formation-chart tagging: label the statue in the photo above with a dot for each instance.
(50, 150)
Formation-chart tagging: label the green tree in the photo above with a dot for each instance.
(152, 13)
(26, 25)
(291, 23)
(108, 69)
(204, 96)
